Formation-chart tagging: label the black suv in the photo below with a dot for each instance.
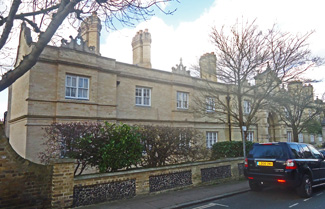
(295, 165)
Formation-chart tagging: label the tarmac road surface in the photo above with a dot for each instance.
(269, 198)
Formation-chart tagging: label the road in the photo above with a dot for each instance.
(269, 198)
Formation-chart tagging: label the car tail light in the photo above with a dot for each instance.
(246, 163)
(250, 178)
(281, 181)
(291, 164)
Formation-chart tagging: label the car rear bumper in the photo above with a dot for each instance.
(287, 178)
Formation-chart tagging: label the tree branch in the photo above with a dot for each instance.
(9, 22)
(30, 60)
(23, 15)
(31, 23)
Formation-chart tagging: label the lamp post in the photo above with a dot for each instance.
(228, 115)
(244, 128)
(323, 128)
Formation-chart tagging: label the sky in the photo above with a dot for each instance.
(186, 33)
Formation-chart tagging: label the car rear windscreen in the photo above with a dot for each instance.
(274, 151)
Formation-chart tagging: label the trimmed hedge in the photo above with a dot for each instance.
(229, 149)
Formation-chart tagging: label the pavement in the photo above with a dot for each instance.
(175, 199)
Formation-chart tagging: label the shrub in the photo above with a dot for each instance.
(122, 148)
(229, 149)
(313, 127)
(170, 145)
(323, 145)
(68, 140)
(106, 146)
(110, 147)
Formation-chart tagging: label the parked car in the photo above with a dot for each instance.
(295, 165)
(322, 151)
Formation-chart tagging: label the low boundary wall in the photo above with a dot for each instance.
(96, 188)
(24, 184)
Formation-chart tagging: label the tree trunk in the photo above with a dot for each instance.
(295, 134)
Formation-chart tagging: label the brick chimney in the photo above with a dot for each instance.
(208, 66)
(141, 44)
(90, 31)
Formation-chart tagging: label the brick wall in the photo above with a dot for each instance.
(62, 183)
(23, 184)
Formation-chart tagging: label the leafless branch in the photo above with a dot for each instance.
(48, 16)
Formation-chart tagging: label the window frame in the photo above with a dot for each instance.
(315, 152)
(210, 104)
(142, 96)
(312, 138)
(77, 87)
(211, 137)
(300, 138)
(181, 101)
(250, 136)
(286, 112)
(247, 107)
(296, 150)
(307, 154)
(289, 136)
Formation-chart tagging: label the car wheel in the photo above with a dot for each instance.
(255, 186)
(305, 189)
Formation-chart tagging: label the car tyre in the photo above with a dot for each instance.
(255, 186)
(305, 189)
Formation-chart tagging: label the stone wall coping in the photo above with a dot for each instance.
(62, 161)
(142, 170)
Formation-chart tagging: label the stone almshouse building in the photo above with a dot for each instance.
(75, 83)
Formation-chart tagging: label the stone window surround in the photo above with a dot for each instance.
(247, 107)
(289, 136)
(312, 138)
(210, 104)
(250, 136)
(142, 96)
(182, 100)
(211, 138)
(77, 86)
(300, 138)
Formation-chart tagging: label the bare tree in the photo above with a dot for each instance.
(45, 17)
(296, 107)
(253, 64)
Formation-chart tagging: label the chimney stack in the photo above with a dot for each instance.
(295, 86)
(90, 31)
(141, 44)
(208, 66)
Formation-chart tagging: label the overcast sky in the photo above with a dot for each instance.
(185, 34)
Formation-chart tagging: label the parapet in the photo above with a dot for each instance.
(78, 44)
(181, 69)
